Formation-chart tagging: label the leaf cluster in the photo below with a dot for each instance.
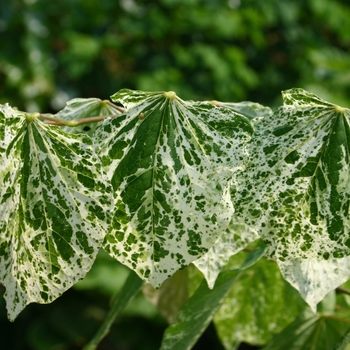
(159, 183)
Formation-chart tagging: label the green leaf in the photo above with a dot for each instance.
(201, 307)
(54, 209)
(260, 305)
(315, 278)
(310, 332)
(237, 237)
(197, 313)
(296, 187)
(170, 163)
(344, 342)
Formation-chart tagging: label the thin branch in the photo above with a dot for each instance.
(75, 122)
(336, 318)
(343, 290)
(121, 109)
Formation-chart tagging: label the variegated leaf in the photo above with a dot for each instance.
(236, 237)
(54, 209)
(170, 163)
(296, 188)
(80, 108)
(249, 109)
(315, 278)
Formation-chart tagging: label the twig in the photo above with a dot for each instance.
(75, 122)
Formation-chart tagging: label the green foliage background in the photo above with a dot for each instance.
(53, 51)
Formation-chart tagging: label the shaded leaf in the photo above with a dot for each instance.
(54, 209)
(296, 188)
(310, 332)
(197, 313)
(344, 342)
(170, 163)
(248, 109)
(260, 305)
(200, 309)
(80, 108)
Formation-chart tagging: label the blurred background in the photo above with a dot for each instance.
(228, 50)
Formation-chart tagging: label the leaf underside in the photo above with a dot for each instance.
(296, 189)
(170, 163)
(53, 210)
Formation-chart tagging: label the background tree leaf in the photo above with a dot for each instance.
(170, 163)
(305, 213)
(54, 210)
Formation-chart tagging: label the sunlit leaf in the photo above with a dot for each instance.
(54, 209)
(170, 163)
(315, 278)
(296, 189)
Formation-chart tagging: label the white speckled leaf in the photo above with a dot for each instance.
(170, 163)
(249, 109)
(236, 237)
(54, 209)
(296, 188)
(80, 108)
(315, 278)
